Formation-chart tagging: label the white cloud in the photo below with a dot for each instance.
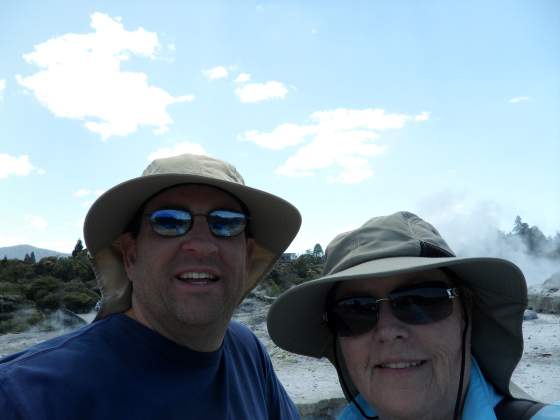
(87, 204)
(36, 222)
(423, 116)
(281, 137)
(243, 78)
(82, 192)
(80, 78)
(2, 88)
(341, 139)
(218, 72)
(20, 166)
(518, 99)
(258, 92)
(178, 149)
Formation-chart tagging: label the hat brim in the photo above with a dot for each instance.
(274, 223)
(295, 320)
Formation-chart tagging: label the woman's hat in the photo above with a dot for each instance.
(404, 243)
(273, 221)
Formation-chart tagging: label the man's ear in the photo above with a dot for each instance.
(128, 250)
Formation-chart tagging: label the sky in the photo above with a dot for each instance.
(348, 110)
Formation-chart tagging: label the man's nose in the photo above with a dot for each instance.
(389, 327)
(199, 239)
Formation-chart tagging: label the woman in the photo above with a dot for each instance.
(413, 331)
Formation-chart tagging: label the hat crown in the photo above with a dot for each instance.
(401, 234)
(199, 165)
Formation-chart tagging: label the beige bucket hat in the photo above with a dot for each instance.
(274, 222)
(403, 243)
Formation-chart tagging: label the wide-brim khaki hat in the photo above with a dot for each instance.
(398, 244)
(274, 222)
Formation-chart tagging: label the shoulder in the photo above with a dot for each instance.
(350, 412)
(242, 345)
(239, 333)
(515, 408)
(548, 412)
(81, 343)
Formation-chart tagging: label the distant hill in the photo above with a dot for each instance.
(19, 251)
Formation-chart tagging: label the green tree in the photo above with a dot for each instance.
(78, 249)
(533, 238)
(318, 251)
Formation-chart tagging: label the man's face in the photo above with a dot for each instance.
(194, 280)
(403, 370)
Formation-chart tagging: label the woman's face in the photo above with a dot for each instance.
(404, 370)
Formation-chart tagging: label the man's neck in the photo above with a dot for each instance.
(204, 338)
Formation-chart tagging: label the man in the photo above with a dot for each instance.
(175, 250)
(413, 331)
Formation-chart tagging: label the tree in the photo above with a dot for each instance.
(520, 228)
(318, 251)
(531, 236)
(78, 249)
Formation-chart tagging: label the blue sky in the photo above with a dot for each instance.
(347, 109)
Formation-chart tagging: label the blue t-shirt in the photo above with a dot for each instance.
(117, 368)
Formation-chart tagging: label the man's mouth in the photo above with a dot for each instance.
(401, 365)
(197, 278)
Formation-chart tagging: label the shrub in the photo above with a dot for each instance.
(80, 302)
(49, 301)
(42, 286)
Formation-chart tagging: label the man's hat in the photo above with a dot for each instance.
(404, 243)
(273, 221)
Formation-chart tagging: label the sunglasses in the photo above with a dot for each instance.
(416, 305)
(174, 222)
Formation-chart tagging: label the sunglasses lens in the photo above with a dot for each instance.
(171, 222)
(422, 306)
(226, 223)
(354, 316)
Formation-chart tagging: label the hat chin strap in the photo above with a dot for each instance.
(458, 405)
(345, 387)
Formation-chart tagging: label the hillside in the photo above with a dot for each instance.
(19, 251)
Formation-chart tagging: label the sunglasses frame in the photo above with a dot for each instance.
(189, 222)
(329, 315)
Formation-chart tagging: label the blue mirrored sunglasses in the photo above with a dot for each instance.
(175, 222)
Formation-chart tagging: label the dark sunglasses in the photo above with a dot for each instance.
(175, 222)
(418, 304)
